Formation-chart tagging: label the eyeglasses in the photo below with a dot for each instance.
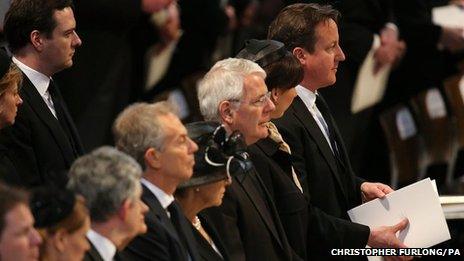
(261, 101)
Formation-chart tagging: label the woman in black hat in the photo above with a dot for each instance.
(272, 155)
(62, 219)
(218, 157)
(10, 79)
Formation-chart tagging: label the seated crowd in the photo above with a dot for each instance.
(265, 176)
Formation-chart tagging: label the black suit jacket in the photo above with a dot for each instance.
(38, 147)
(92, 254)
(332, 190)
(274, 166)
(248, 222)
(205, 250)
(161, 242)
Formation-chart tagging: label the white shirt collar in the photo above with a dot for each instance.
(38, 79)
(162, 197)
(104, 246)
(308, 97)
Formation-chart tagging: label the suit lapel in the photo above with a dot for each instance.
(255, 197)
(271, 149)
(158, 212)
(37, 104)
(268, 146)
(72, 127)
(92, 254)
(302, 113)
(214, 235)
(186, 227)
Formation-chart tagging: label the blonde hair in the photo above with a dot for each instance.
(11, 79)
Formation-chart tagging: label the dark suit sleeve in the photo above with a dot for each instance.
(335, 232)
(360, 20)
(359, 181)
(416, 19)
(119, 14)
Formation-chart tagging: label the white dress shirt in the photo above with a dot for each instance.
(103, 245)
(40, 82)
(162, 197)
(309, 99)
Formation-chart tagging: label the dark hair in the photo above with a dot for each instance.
(285, 73)
(295, 25)
(25, 16)
(54, 208)
(9, 199)
(283, 70)
(71, 223)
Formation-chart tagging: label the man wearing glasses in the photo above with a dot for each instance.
(233, 92)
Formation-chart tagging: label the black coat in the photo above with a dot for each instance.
(205, 250)
(8, 172)
(38, 147)
(331, 190)
(274, 166)
(161, 241)
(248, 222)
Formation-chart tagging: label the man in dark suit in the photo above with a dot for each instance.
(109, 180)
(233, 92)
(310, 32)
(43, 142)
(154, 135)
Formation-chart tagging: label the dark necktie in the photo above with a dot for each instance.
(176, 219)
(61, 115)
(334, 142)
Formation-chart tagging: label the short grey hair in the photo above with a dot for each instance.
(105, 177)
(138, 128)
(224, 82)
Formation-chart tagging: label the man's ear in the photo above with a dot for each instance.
(152, 158)
(300, 54)
(37, 40)
(275, 94)
(226, 112)
(124, 209)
